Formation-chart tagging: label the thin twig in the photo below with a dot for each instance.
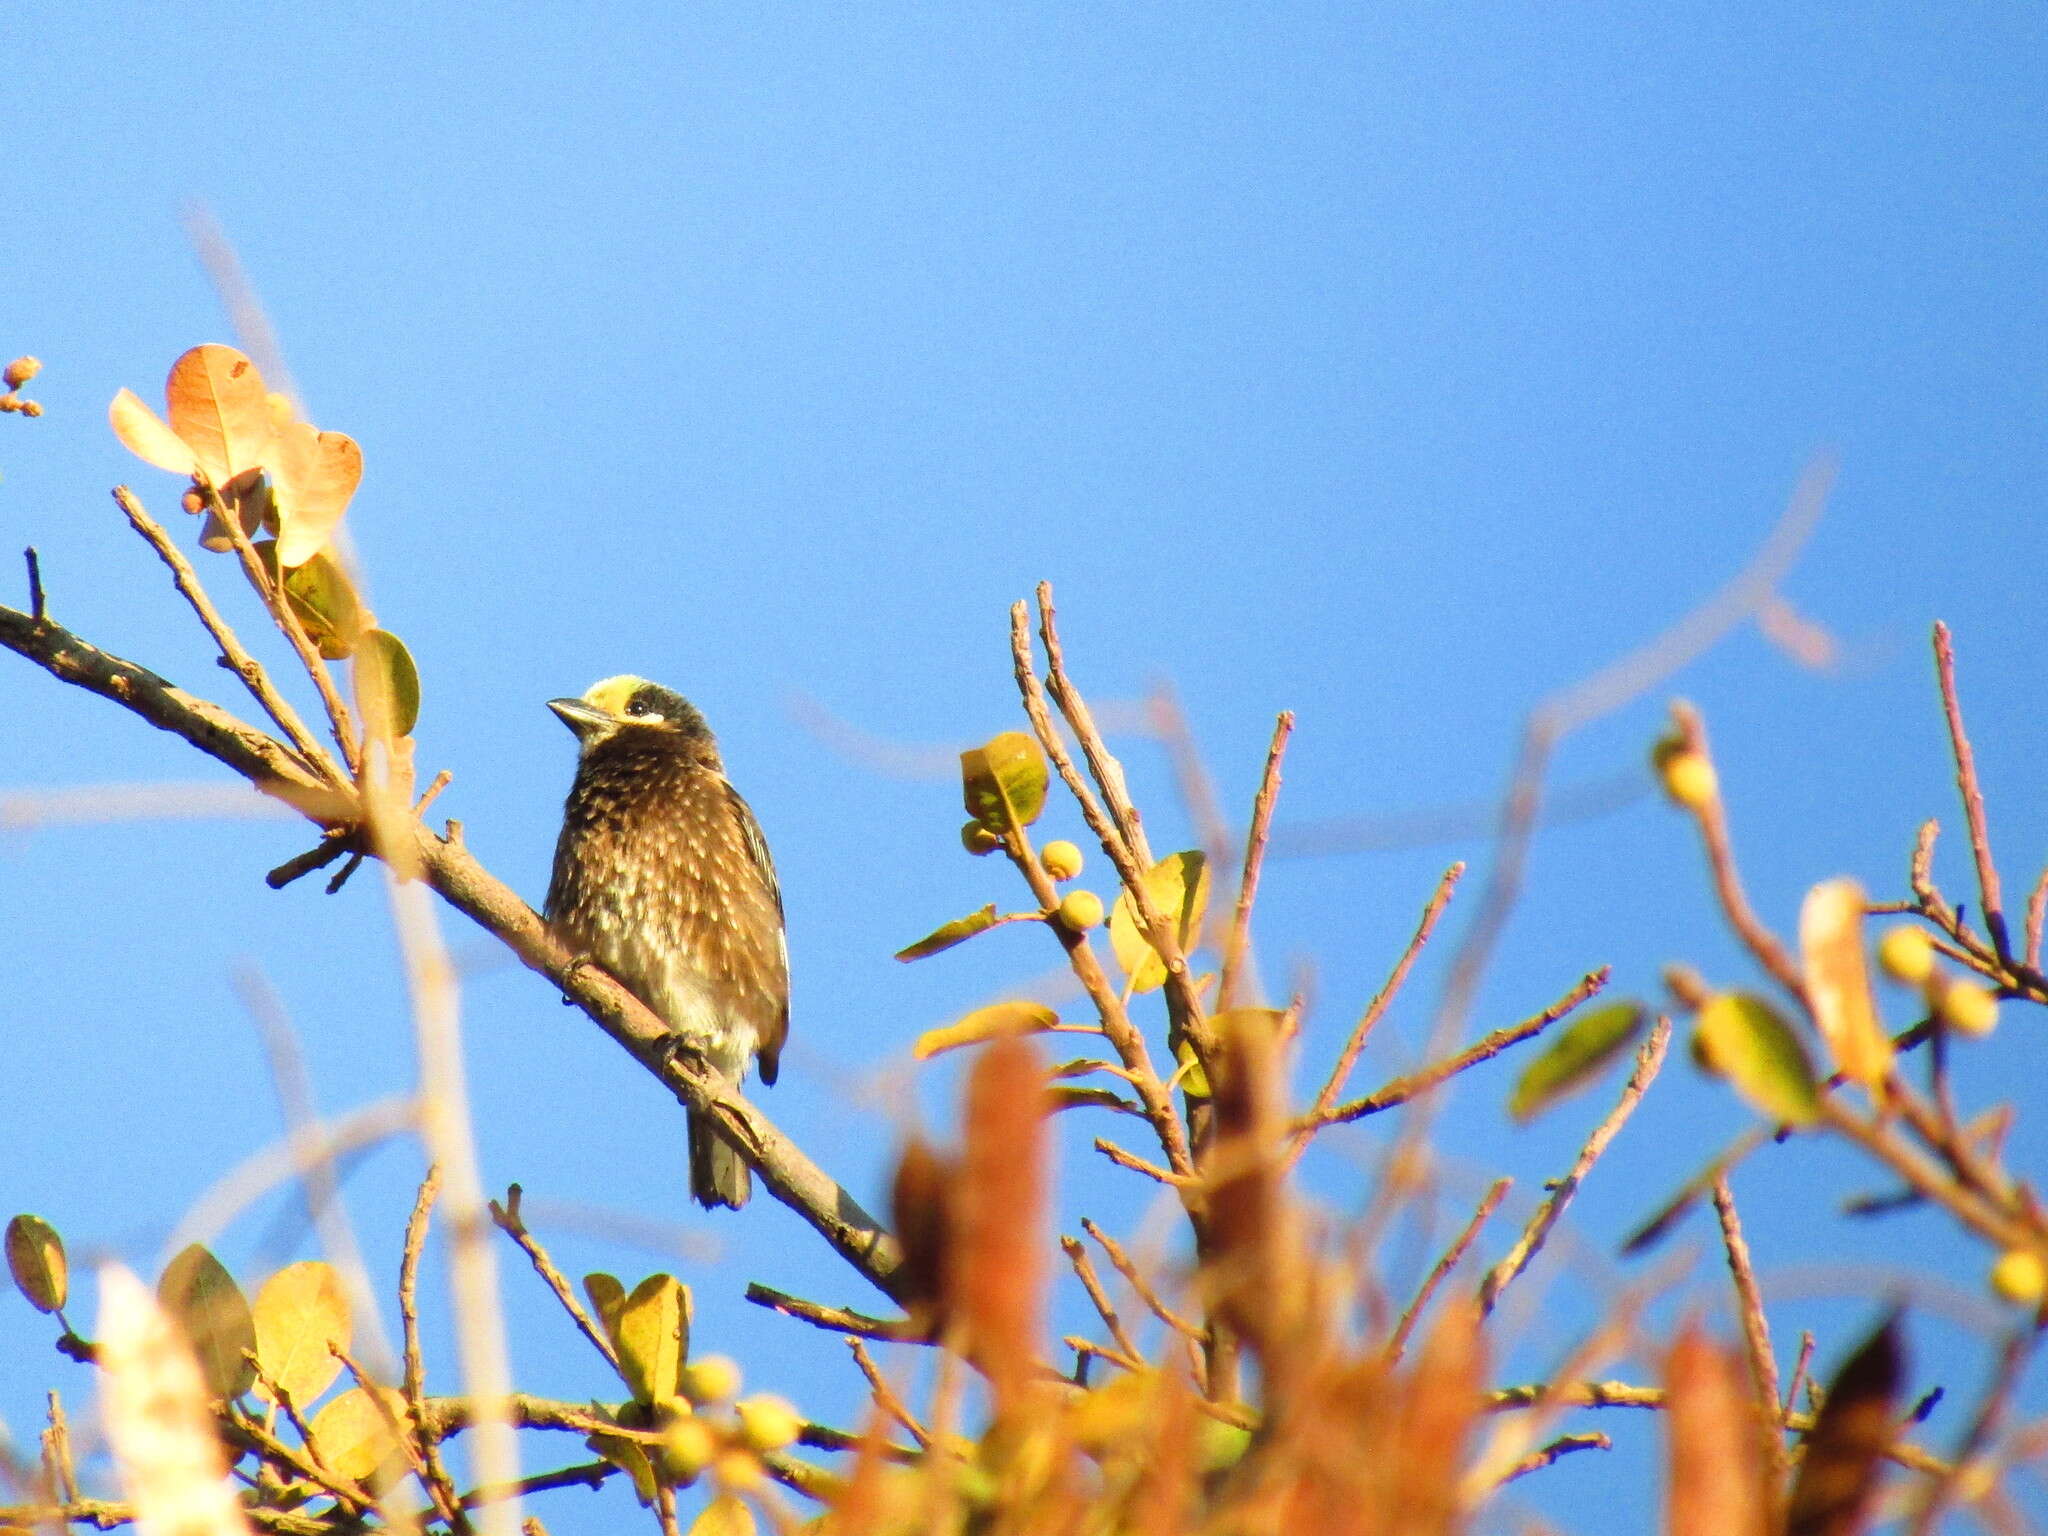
(410, 1436)
(885, 1395)
(38, 608)
(1237, 947)
(1135, 1278)
(510, 1222)
(1137, 1164)
(1402, 1089)
(333, 843)
(1799, 1370)
(1084, 1271)
(1711, 816)
(426, 1450)
(233, 653)
(1536, 1461)
(2037, 915)
(1340, 1072)
(439, 782)
(1756, 1328)
(1991, 898)
(1398, 1343)
(1649, 1058)
(836, 1319)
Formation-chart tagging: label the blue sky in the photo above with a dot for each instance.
(1395, 365)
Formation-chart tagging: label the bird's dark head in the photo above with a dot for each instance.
(626, 707)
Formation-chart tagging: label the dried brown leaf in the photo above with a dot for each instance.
(1836, 1489)
(1002, 1205)
(1715, 1484)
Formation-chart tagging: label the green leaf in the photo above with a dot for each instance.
(202, 1297)
(654, 1338)
(1575, 1058)
(946, 935)
(1178, 886)
(387, 684)
(301, 1316)
(326, 603)
(1194, 1082)
(35, 1257)
(1743, 1038)
(985, 1024)
(354, 1434)
(1002, 782)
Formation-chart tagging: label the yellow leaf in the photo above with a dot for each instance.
(1573, 1059)
(301, 1316)
(1743, 1039)
(148, 436)
(725, 1515)
(221, 410)
(985, 1024)
(1002, 782)
(1838, 981)
(653, 1338)
(1179, 888)
(607, 1295)
(325, 601)
(354, 1434)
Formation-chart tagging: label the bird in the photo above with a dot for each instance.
(663, 878)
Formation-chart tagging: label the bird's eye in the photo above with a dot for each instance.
(637, 707)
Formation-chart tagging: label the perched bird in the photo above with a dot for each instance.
(662, 877)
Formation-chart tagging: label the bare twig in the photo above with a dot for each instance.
(512, 1224)
(1340, 1072)
(38, 608)
(1536, 1461)
(234, 655)
(1238, 945)
(885, 1395)
(1649, 1058)
(1137, 1164)
(1402, 1089)
(426, 1452)
(1799, 1370)
(2037, 914)
(1991, 898)
(1398, 1343)
(1084, 1271)
(1135, 1278)
(835, 1319)
(1756, 1329)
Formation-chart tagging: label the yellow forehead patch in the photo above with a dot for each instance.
(613, 693)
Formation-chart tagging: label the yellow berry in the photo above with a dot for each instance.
(1062, 860)
(712, 1379)
(1969, 1008)
(31, 408)
(688, 1446)
(741, 1471)
(768, 1423)
(10, 401)
(2020, 1277)
(978, 840)
(19, 372)
(1690, 780)
(193, 502)
(1906, 954)
(1080, 910)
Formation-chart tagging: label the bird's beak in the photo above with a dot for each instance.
(580, 717)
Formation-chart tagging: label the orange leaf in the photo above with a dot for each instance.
(1002, 1215)
(1715, 1484)
(316, 477)
(1838, 980)
(220, 409)
(148, 436)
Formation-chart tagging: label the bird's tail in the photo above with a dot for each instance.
(718, 1174)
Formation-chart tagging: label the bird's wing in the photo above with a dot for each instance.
(756, 844)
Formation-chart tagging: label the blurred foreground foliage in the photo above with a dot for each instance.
(1255, 1376)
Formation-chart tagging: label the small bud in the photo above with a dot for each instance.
(2020, 1277)
(1906, 954)
(192, 502)
(768, 1423)
(1968, 1007)
(978, 840)
(741, 1471)
(1080, 911)
(1689, 779)
(19, 372)
(712, 1379)
(1061, 860)
(31, 407)
(688, 1446)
